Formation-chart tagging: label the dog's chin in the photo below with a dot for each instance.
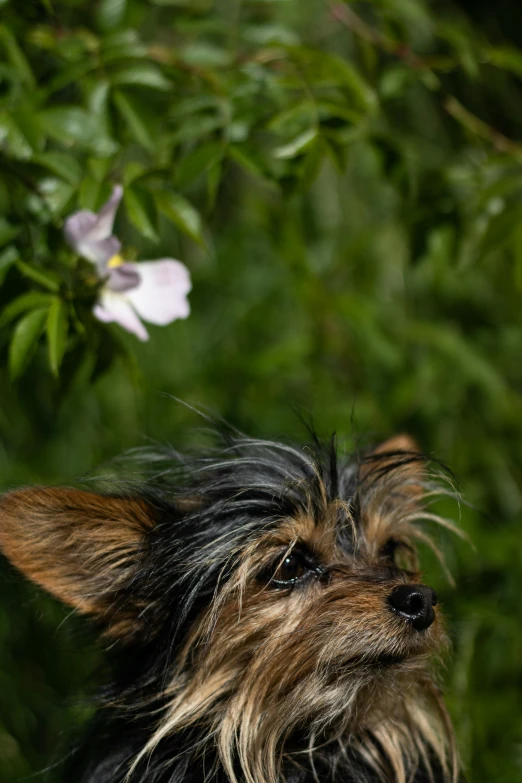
(384, 660)
(420, 650)
(387, 659)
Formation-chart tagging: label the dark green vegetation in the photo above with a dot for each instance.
(344, 182)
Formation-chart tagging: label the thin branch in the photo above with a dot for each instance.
(346, 16)
(480, 128)
(402, 51)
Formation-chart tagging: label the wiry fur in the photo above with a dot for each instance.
(222, 675)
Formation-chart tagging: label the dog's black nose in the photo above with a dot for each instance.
(415, 603)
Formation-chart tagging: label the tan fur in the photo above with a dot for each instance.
(77, 545)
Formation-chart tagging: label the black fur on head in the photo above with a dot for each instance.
(247, 598)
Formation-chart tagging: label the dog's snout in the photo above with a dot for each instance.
(415, 603)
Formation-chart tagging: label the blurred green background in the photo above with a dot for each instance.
(344, 182)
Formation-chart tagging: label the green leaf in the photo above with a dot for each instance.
(468, 53)
(297, 145)
(70, 75)
(33, 300)
(75, 126)
(197, 162)
(133, 171)
(506, 58)
(293, 118)
(57, 194)
(7, 231)
(89, 193)
(182, 213)
(198, 127)
(195, 104)
(329, 70)
(178, 3)
(7, 259)
(266, 34)
(29, 126)
(328, 110)
(123, 45)
(64, 166)
(17, 58)
(205, 54)
(13, 140)
(41, 276)
(351, 78)
(24, 341)
(246, 161)
(111, 13)
(142, 75)
(395, 80)
(99, 168)
(311, 164)
(56, 327)
(136, 206)
(132, 116)
(98, 100)
(213, 182)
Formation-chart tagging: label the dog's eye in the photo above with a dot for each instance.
(399, 554)
(292, 567)
(388, 551)
(289, 570)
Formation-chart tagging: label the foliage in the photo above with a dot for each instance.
(345, 184)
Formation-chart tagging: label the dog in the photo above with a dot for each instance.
(262, 610)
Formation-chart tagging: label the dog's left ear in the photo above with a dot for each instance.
(400, 456)
(82, 547)
(397, 443)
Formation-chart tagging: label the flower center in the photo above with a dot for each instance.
(116, 260)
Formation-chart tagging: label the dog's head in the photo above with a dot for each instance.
(279, 589)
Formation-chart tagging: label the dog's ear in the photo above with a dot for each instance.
(82, 547)
(392, 485)
(399, 455)
(397, 443)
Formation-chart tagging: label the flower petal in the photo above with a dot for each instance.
(99, 252)
(77, 226)
(102, 228)
(161, 296)
(115, 307)
(89, 233)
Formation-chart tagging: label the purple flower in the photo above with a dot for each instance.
(155, 291)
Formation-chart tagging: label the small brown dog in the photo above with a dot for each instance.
(265, 611)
